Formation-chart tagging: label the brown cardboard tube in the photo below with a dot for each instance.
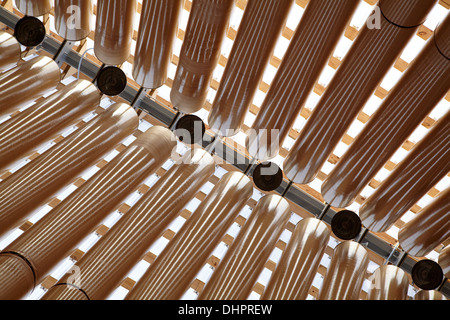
(73, 18)
(114, 30)
(9, 51)
(444, 261)
(27, 82)
(34, 184)
(424, 85)
(238, 271)
(114, 255)
(34, 8)
(411, 179)
(428, 228)
(156, 34)
(299, 263)
(171, 274)
(389, 283)
(345, 274)
(200, 52)
(313, 42)
(24, 132)
(255, 41)
(54, 236)
(371, 56)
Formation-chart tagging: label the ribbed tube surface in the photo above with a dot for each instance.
(73, 18)
(34, 8)
(34, 184)
(313, 42)
(372, 54)
(27, 82)
(299, 263)
(27, 130)
(114, 255)
(200, 52)
(171, 274)
(58, 232)
(114, 30)
(9, 51)
(345, 274)
(239, 269)
(428, 228)
(423, 86)
(255, 41)
(411, 179)
(389, 283)
(156, 35)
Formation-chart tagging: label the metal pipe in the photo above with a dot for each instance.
(444, 261)
(255, 41)
(24, 132)
(389, 283)
(363, 68)
(114, 30)
(423, 86)
(299, 263)
(32, 185)
(345, 274)
(34, 8)
(156, 35)
(171, 274)
(57, 233)
(422, 168)
(107, 263)
(238, 271)
(200, 52)
(9, 51)
(428, 228)
(313, 42)
(27, 82)
(73, 19)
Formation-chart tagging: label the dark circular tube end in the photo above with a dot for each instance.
(190, 129)
(29, 31)
(111, 81)
(267, 176)
(427, 274)
(346, 225)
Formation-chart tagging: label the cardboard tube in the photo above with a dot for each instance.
(114, 30)
(299, 263)
(73, 19)
(34, 184)
(429, 295)
(314, 40)
(9, 51)
(255, 41)
(363, 68)
(423, 86)
(24, 132)
(208, 22)
(428, 228)
(238, 271)
(34, 8)
(171, 274)
(57, 233)
(389, 283)
(411, 179)
(345, 274)
(444, 261)
(107, 263)
(27, 82)
(15, 273)
(157, 31)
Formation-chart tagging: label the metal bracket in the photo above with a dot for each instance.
(65, 48)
